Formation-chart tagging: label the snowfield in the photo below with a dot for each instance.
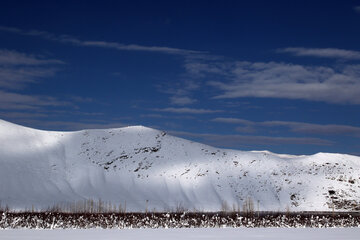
(142, 169)
(193, 233)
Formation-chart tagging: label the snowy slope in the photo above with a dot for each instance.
(146, 169)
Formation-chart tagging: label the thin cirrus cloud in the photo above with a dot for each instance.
(18, 78)
(233, 120)
(74, 126)
(67, 39)
(299, 127)
(243, 140)
(339, 85)
(322, 53)
(187, 110)
(181, 92)
(357, 9)
(310, 128)
(15, 58)
(18, 101)
(181, 100)
(18, 69)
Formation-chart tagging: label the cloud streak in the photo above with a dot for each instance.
(67, 125)
(14, 58)
(181, 92)
(67, 39)
(311, 128)
(339, 85)
(181, 100)
(322, 53)
(18, 69)
(233, 120)
(234, 141)
(187, 110)
(297, 127)
(11, 101)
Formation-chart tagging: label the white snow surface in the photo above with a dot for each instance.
(186, 233)
(146, 169)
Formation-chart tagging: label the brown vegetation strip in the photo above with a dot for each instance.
(51, 220)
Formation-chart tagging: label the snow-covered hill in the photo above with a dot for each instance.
(146, 169)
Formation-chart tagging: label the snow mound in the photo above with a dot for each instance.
(143, 169)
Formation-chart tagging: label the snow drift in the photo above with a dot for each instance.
(146, 169)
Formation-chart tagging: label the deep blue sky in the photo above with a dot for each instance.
(251, 75)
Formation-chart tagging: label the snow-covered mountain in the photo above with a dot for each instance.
(146, 169)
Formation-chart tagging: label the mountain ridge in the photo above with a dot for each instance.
(148, 169)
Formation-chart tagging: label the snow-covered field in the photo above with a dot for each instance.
(142, 169)
(195, 233)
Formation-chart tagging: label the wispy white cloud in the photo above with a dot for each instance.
(135, 47)
(67, 39)
(69, 125)
(246, 128)
(82, 99)
(322, 53)
(200, 68)
(187, 110)
(152, 115)
(311, 128)
(181, 92)
(181, 100)
(18, 69)
(11, 101)
(357, 9)
(14, 58)
(21, 115)
(232, 120)
(19, 77)
(299, 127)
(235, 141)
(339, 84)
